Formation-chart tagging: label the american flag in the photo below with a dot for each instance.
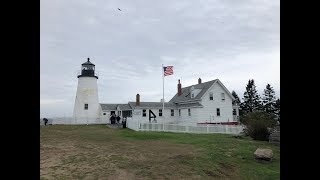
(168, 70)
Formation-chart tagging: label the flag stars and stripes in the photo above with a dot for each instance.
(168, 70)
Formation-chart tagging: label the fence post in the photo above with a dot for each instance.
(207, 128)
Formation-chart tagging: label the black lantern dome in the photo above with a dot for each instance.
(87, 69)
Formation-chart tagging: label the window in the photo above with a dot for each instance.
(211, 96)
(222, 96)
(172, 112)
(234, 112)
(104, 113)
(144, 113)
(189, 112)
(218, 111)
(160, 112)
(86, 107)
(179, 112)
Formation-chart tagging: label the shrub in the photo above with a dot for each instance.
(258, 125)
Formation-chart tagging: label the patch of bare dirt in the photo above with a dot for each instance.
(225, 171)
(74, 158)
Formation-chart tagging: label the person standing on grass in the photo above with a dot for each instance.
(45, 121)
(124, 122)
(110, 118)
(118, 119)
(113, 119)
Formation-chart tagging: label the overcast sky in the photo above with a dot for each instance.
(231, 40)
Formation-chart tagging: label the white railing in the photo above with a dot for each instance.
(205, 129)
(79, 72)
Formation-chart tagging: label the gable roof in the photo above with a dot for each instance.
(188, 105)
(147, 105)
(175, 102)
(125, 107)
(228, 92)
(113, 107)
(109, 106)
(156, 105)
(185, 96)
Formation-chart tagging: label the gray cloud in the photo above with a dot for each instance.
(227, 39)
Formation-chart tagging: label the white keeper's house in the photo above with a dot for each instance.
(203, 102)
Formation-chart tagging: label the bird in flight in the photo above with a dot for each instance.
(119, 9)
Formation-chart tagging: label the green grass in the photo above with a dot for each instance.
(221, 151)
(211, 155)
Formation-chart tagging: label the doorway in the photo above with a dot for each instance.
(127, 113)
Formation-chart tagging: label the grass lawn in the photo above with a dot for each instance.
(99, 152)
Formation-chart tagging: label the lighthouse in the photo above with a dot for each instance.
(86, 106)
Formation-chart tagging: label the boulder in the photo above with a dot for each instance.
(263, 154)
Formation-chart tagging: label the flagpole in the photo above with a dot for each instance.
(163, 94)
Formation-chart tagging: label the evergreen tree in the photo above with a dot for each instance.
(269, 100)
(277, 109)
(251, 98)
(237, 99)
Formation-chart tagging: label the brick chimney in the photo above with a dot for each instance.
(137, 100)
(199, 81)
(179, 88)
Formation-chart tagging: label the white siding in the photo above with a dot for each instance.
(106, 118)
(166, 116)
(87, 93)
(209, 113)
(185, 118)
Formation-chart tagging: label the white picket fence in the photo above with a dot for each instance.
(182, 128)
(161, 127)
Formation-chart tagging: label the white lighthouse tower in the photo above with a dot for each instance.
(86, 107)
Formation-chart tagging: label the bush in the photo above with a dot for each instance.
(258, 125)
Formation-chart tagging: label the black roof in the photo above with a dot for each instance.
(88, 63)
